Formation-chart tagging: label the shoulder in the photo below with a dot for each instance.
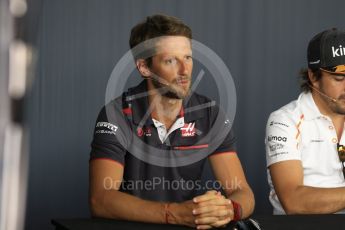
(199, 106)
(196, 99)
(114, 106)
(289, 114)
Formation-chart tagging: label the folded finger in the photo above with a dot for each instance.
(219, 213)
(207, 196)
(215, 202)
(206, 220)
(221, 223)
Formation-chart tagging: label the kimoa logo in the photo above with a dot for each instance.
(337, 52)
(277, 138)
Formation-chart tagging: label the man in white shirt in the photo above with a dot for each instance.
(305, 138)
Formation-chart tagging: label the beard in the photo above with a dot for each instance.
(172, 90)
(337, 106)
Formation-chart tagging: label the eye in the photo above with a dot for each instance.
(189, 58)
(170, 61)
(339, 78)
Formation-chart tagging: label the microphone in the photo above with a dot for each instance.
(323, 94)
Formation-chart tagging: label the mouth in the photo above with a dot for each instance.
(182, 81)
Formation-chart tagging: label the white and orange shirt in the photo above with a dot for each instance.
(298, 131)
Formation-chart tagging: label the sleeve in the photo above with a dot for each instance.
(223, 138)
(111, 135)
(282, 139)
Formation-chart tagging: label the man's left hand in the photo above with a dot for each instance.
(213, 210)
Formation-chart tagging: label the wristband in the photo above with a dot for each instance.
(237, 211)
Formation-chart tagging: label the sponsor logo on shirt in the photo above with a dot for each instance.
(105, 132)
(188, 130)
(276, 138)
(278, 123)
(111, 128)
(276, 147)
(147, 131)
(316, 141)
(140, 132)
(144, 131)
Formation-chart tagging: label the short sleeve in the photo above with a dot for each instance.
(111, 135)
(223, 138)
(281, 139)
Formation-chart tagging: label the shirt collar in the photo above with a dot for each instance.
(308, 106)
(179, 123)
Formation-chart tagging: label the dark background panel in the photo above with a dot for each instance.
(263, 43)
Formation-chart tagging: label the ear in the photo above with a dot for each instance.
(143, 68)
(312, 78)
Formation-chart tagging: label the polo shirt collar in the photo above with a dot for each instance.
(195, 109)
(308, 106)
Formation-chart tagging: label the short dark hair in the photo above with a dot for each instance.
(156, 26)
(305, 83)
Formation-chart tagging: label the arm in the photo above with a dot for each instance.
(214, 210)
(112, 136)
(107, 202)
(228, 171)
(287, 178)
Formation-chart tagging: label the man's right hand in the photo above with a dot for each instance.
(213, 210)
(186, 213)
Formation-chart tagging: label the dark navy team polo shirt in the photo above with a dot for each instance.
(169, 171)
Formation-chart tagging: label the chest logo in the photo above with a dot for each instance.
(144, 131)
(188, 130)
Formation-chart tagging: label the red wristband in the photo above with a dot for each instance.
(237, 211)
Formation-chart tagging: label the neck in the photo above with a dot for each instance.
(323, 105)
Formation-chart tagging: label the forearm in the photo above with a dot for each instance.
(311, 200)
(245, 197)
(121, 206)
(118, 205)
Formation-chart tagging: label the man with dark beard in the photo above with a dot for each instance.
(304, 139)
(140, 168)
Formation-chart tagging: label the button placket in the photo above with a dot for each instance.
(333, 134)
